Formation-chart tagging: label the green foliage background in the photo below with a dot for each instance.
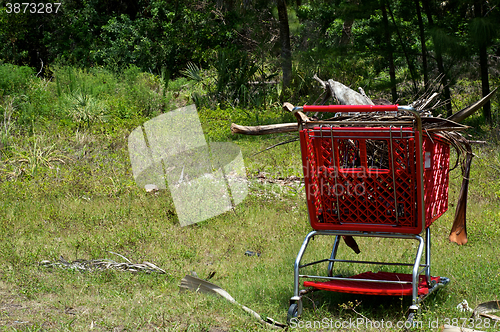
(239, 42)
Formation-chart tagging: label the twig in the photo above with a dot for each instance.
(275, 145)
(40, 68)
(125, 258)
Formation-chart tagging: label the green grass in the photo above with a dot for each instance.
(67, 190)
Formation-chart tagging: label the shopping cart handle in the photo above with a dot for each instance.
(350, 108)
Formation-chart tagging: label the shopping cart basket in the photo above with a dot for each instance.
(371, 179)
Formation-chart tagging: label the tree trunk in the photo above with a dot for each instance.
(346, 37)
(424, 48)
(390, 56)
(483, 63)
(407, 57)
(346, 32)
(286, 52)
(439, 60)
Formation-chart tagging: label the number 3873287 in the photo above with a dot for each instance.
(33, 8)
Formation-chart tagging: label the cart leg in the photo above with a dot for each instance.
(415, 279)
(297, 264)
(295, 309)
(333, 255)
(415, 273)
(428, 255)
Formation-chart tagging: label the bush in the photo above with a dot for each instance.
(144, 90)
(14, 79)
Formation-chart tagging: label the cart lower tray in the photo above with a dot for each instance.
(374, 288)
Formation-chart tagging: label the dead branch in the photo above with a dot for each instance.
(342, 93)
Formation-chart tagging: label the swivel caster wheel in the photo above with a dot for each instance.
(411, 318)
(294, 311)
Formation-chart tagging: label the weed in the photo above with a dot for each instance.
(85, 110)
(28, 160)
(8, 108)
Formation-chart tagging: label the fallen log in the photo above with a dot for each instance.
(430, 124)
(264, 130)
(267, 129)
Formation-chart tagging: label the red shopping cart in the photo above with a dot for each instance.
(371, 179)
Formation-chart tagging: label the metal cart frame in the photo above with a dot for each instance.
(422, 284)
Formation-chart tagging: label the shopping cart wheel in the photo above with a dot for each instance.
(294, 311)
(411, 319)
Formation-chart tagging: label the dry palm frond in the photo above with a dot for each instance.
(102, 264)
(193, 283)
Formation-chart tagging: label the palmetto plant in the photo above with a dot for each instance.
(234, 71)
(84, 109)
(193, 72)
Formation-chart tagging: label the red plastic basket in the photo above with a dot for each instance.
(436, 178)
(367, 178)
